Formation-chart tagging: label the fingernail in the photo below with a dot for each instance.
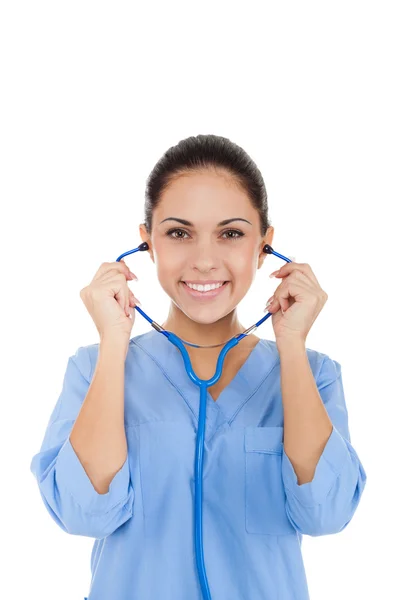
(269, 300)
(274, 273)
(268, 305)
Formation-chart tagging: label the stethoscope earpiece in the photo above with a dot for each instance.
(143, 246)
(268, 249)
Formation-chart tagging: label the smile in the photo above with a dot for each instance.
(205, 295)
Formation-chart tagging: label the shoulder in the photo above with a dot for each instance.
(322, 365)
(85, 357)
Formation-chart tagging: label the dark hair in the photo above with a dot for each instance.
(197, 153)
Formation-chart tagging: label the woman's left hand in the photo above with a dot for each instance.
(300, 297)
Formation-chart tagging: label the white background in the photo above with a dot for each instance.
(92, 94)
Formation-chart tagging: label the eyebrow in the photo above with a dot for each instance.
(184, 222)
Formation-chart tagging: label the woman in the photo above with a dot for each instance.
(117, 460)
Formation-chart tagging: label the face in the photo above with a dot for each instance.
(204, 250)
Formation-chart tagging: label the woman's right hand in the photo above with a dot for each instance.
(109, 300)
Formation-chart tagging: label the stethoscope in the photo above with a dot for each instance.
(203, 384)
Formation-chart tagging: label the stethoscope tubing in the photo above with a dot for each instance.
(203, 384)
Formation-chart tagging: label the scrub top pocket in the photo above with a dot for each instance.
(265, 497)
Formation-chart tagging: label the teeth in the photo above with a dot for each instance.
(204, 288)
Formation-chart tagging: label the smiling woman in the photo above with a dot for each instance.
(130, 421)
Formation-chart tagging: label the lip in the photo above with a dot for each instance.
(204, 295)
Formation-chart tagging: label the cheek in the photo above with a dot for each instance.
(168, 264)
(168, 275)
(243, 268)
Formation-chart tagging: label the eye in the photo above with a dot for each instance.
(171, 231)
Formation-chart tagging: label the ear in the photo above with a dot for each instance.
(145, 237)
(267, 239)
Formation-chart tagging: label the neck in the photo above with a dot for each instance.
(202, 334)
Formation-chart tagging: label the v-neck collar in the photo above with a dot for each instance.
(244, 384)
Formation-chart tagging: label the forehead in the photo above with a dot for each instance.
(216, 192)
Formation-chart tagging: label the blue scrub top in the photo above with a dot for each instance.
(254, 512)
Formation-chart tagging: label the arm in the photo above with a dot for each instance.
(322, 474)
(307, 425)
(98, 435)
(87, 488)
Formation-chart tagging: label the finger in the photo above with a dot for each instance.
(119, 266)
(133, 300)
(286, 293)
(130, 302)
(299, 278)
(120, 290)
(279, 303)
(122, 298)
(301, 267)
(132, 275)
(284, 304)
